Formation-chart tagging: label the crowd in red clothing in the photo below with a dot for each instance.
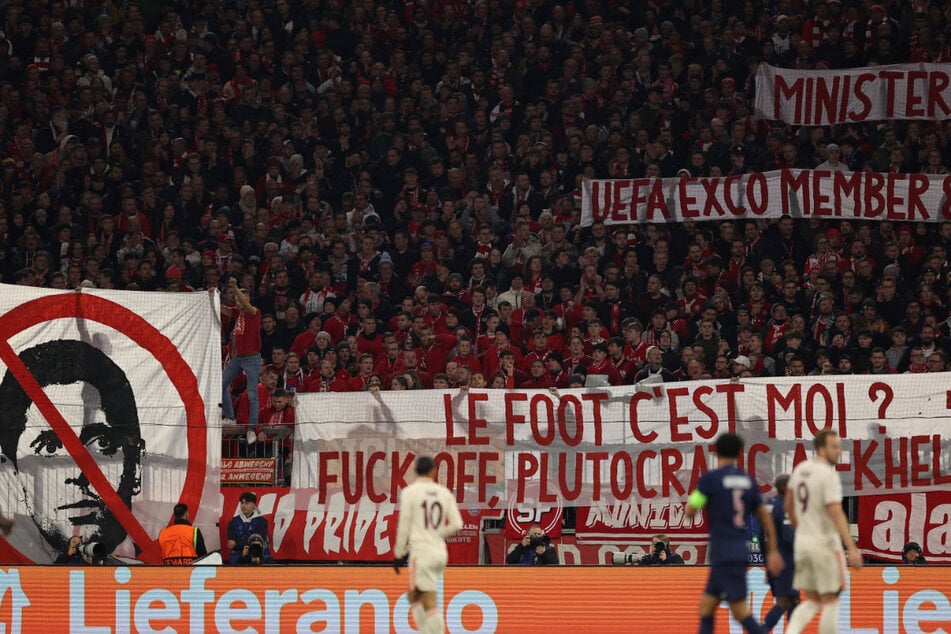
(397, 185)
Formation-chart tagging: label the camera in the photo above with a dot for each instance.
(538, 540)
(624, 559)
(256, 549)
(660, 547)
(95, 552)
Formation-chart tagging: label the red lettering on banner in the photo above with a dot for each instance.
(323, 470)
(596, 399)
(597, 210)
(774, 398)
(790, 184)
(451, 438)
(896, 462)
(399, 471)
(807, 100)
(543, 494)
(596, 459)
(625, 469)
(619, 211)
(352, 476)
(894, 200)
(914, 107)
(937, 82)
(549, 416)
(372, 493)
(736, 210)
(757, 179)
(918, 184)
(826, 99)
(527, 467)
(820, 196)
(860, 94)
(946, 198)
(847, 185)
(672, 461)
(656, 202)
(711, 201)
(844, 98)
(463, 477)
(706, 390)
(799, 454)
(476, 423)
(874, 201)
(757, 448)
(639, 471)
(570, 491)
(487, 473)
(650, 436)
(919, 470)
(511, 418)
(686, 210)
(860, 464)
(731, 390)
(890, 77)
(783, 93)
(575, 440)
(823, 393)
(936, 453)
(676, 420)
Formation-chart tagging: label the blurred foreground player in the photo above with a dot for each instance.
(781, 585)
(729, 494)
(814, 505)
(428, 515)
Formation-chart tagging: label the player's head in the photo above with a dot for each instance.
(425, 466)
(729, 446)
(828, 445)
(781, 482)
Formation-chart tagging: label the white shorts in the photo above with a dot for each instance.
(425, 569)
(820, 571)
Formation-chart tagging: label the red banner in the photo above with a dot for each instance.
(338, 532)
(575, 552)
(247, 470)
(625, 524)
(888, 522)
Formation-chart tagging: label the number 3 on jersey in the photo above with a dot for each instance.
(432, 515)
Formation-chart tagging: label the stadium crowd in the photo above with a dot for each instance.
(397, 185)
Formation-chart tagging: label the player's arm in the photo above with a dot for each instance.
(774, 561)
(453, 518)
(842, 527)
(790, 507)
(697, 500)
(401, 547)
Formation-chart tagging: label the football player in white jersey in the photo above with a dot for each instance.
(814, 505)
(428, 515)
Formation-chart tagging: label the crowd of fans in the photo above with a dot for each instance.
(397, 185)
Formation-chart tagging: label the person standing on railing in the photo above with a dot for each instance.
(246, 348)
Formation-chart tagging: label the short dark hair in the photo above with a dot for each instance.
(425, 465)
(248, 496)
(729, 445)
(180, 510)
(822, 437)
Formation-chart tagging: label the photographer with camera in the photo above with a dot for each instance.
(535, 549)
(912, 555)
(73, 555)
(255, 552)
(660, 554)
(246, 523)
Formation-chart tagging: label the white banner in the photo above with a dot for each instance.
(796, 193)
(852, 95)
(110, 417)
(622, 444)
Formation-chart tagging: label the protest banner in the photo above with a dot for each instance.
(304, 531)
(769, 195)
(472, 600)
(853, 95)
(630, 444)
(106, 422)
(888, 522)
(247, 471)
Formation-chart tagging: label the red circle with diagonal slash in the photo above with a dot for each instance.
(120, 318)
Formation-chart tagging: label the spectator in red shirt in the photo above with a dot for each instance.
(246, 347)
(538, 377)
(327, 380)
(365, 371)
